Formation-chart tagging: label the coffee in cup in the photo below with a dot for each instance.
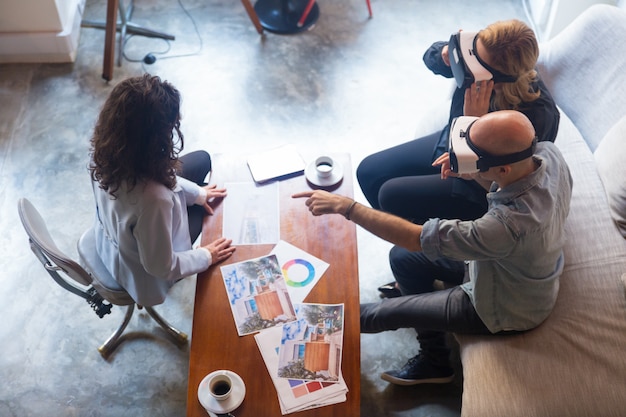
(220, 386)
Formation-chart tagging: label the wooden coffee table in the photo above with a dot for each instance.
(215, 342)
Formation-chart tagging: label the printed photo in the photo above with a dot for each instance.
(258, 294)
(311, 346)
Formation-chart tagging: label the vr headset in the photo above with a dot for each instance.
(466, 158)
(466, 65)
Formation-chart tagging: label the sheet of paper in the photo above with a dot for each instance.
(300, 269)
(251, 213)
(257, 294)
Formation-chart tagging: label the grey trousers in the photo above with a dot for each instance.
(432, 314)
(447, 310)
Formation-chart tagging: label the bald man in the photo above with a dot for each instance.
(502, 269)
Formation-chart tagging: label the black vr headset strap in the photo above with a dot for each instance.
(486, 161)
(498, 77)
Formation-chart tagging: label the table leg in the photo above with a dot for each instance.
(109, 39)
(253, 16)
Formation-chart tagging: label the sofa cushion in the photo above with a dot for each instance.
(590, 230)
(583, 68)
(574, 363)
(610, 158)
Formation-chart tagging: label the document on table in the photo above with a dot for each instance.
(251, 213)
(296, 394)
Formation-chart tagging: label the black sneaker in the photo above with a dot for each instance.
(418, 370)
(389, 290)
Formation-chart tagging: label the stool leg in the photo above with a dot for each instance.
(306, 12)
(177, 335)
(369, 8)
(112, 342)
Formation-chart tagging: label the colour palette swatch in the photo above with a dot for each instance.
(300, 388)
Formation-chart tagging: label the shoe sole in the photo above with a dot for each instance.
(384, 294)
(407, 382)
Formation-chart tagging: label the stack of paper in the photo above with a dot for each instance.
(301, 343)
(296, 394)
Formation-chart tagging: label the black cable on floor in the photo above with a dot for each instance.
(150, 57)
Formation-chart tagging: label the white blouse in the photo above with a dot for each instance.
(142, 237)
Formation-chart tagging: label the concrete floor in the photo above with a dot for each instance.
(350, 84)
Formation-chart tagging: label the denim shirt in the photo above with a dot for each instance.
(142, 237)
(515, 251)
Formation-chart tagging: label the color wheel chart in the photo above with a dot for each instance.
(300, 269)
(293, 279)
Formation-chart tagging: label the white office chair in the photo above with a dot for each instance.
(93, 283)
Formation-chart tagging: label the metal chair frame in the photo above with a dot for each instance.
(124, 26)
(77, 280)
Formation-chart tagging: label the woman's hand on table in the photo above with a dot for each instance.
(220, 249)
(212, 192)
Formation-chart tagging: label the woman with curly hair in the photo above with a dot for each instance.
(149, 202)
(403, 180)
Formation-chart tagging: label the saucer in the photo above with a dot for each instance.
(229, 404)
(335, 177)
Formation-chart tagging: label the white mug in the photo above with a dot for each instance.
(324, 166)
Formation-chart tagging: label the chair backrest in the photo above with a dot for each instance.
(54, 260)
(42, 243)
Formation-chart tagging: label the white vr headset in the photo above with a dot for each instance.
(467, 158)
(466, 65)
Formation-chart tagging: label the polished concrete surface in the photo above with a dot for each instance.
(350, 84)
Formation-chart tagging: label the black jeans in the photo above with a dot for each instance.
(401, 180)
(195, 167)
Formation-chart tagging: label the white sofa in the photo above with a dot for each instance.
(574, 364)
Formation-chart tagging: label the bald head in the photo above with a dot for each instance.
(503, 132)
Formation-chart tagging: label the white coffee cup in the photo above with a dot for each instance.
(220, 386)
(324, 166)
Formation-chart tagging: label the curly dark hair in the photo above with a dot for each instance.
(133, 139)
